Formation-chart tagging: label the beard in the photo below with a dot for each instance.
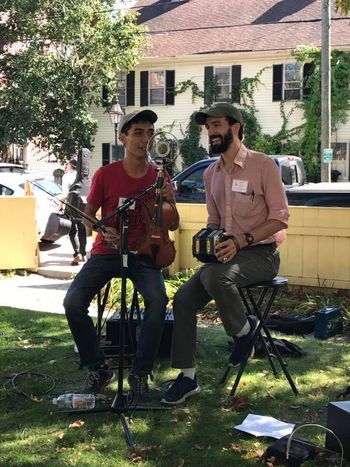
(225, 142)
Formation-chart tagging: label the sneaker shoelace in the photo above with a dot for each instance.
(92, 377)
(143, 385)
(169, 383)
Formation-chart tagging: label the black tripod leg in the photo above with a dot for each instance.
(128, 435)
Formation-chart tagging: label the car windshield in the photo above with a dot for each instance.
(46, 184)
(12, 169)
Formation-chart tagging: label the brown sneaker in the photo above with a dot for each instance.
(76, 260)
(97, 380)
(139, 390)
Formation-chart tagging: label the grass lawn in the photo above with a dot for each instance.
(35, 433)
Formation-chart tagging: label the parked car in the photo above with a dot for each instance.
(13, 184)
(190, 183)
(12, 168)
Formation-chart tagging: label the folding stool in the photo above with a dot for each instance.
(260, 307)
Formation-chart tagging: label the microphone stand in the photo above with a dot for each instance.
(120, 404)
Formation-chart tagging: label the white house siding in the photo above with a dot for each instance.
(192, 68)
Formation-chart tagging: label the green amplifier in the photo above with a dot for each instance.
(328, 322)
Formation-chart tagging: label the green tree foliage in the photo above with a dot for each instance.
(342, 6)
(56, 55)
(311, 105)
(191, 151)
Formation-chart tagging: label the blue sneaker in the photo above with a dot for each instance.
(180, 389)
(241, 344)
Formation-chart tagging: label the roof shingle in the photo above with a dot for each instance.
(202, 26)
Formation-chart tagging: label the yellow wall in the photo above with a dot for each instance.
(18, 233)
(316, 252)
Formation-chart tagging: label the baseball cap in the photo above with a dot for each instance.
(73, 163)
(220, 109)
(147, 114)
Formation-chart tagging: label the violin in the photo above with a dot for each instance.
(156, 248)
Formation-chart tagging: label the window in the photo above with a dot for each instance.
(292, 81)
(339, 151)
(157, 87)
(223, 79)
(5, 191)
(121, 88)
(228, 79)
(124, 88)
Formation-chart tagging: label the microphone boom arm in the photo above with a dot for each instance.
(93, 220)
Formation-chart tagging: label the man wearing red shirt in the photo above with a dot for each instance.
(111, 185)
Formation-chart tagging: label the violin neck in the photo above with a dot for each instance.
(159, 197)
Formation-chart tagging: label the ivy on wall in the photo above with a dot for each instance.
(310, 134)
(303, 139)
(191, 150)
(182, 86)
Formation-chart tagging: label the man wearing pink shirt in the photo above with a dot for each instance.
(246, 198)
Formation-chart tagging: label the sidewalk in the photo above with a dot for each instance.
(55, 259)
(45, 290)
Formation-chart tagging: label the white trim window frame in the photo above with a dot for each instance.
(121, 88)
(157, 87)
(292, 81)
(223, 82)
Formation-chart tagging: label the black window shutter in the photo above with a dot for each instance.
(105, 95)
(130, 88)
(105, 153)
(236, 83)
(144, 88)
(307, 72)
(208, 76)
(169, 87)
(277, 82)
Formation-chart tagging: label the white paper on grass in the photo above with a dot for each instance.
(260, 425)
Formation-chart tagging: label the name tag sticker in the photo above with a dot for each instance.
(240, 186)
(121, 201)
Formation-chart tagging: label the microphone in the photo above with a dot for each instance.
(163, 148)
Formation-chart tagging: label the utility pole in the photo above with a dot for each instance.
(325, 88)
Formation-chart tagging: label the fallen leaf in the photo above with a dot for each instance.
(236, 447)
(76, 424)
(198, 447)
(60, 449)
(61, 435)
(253, 453)
(181, 463)
(182, 411)
(35, 398)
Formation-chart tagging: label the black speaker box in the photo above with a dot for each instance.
(132, 332)
(338, 420)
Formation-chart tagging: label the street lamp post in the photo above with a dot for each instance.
(116, 114)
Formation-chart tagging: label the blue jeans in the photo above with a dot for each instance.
(95, 273)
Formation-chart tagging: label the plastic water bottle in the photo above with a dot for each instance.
(75, 401)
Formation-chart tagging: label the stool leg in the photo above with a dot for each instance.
(245, 361)
(262, 315)
(268, 334)
(101, 305)
(280, 359)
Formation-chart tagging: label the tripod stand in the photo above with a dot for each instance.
(120, 404)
